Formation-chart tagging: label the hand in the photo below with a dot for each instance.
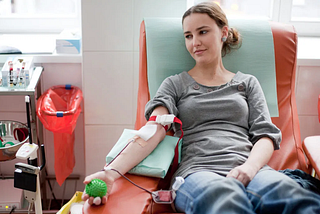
(107, 178)
(244, 173)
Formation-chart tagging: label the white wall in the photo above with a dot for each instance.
(110, 31)
(307, 93)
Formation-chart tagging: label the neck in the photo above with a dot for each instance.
(209, 71)
(211, 74)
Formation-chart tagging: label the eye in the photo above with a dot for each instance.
(203, 31)
(188, 36)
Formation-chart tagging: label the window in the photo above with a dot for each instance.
(38, 16)
(303, 14)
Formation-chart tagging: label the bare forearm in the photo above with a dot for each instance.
(261, 153)
(140, 149)
(259, 156)
(137, 151)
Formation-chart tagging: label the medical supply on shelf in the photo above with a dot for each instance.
(4, 78)
(22, 76)
(16, 72)
(27, 78)
(10, 64)
(69, 42)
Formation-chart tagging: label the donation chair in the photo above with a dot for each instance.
(279, 81)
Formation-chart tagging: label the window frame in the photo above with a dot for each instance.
(48, 23)
(281, 12)
(303, 28)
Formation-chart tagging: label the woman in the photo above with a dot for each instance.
(228, 134)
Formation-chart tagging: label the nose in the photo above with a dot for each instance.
(196, 41)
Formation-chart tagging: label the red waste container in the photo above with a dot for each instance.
(58, 109)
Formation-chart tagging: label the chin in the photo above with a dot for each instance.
(202, 61)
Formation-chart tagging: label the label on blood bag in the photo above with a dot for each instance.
(162, 197)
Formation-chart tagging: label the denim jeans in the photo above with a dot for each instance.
(268, 192)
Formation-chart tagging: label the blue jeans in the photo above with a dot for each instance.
(268, 192)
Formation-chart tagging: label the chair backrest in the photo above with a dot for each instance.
(281, 56)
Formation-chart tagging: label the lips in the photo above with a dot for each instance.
(197, 52)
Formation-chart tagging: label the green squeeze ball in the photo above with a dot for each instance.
(96, 188)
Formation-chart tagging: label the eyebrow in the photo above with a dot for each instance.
(198, 29)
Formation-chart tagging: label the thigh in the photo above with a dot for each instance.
(266, 178)
(272, 191)
(194, 184)
(207, 192)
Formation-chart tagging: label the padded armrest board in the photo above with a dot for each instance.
(150, 166)
(167, 54)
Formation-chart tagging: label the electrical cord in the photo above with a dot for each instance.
(13, 209)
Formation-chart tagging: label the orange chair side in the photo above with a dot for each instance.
(290, 154)
(143, 91)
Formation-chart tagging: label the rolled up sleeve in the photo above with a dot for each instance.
(166, 96)
(260, 124)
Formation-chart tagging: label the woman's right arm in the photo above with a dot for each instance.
(130, 156)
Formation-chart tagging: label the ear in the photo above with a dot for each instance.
(225, 31)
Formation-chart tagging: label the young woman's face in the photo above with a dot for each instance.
(203, 38)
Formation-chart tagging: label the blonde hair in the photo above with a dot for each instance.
(216, 13)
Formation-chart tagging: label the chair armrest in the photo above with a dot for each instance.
(125, 197)
(311, 147)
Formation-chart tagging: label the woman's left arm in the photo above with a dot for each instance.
(263, 134)
(260, 155)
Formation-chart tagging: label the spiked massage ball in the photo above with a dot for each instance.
(96, 188)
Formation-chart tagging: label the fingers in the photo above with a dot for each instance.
(90, 200)
(233, 173)
(99, 175)
(97, 200)
(240, 176)
(104, 199)
(88, 179)
(84, 196)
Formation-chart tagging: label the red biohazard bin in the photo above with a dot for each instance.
(58, 109)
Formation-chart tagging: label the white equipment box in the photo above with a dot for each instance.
(10, 196)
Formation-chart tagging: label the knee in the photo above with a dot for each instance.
(273, 182)
(224, 196)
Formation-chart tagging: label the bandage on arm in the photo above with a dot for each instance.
(134, 153)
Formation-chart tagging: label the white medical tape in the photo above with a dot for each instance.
(146, 132)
